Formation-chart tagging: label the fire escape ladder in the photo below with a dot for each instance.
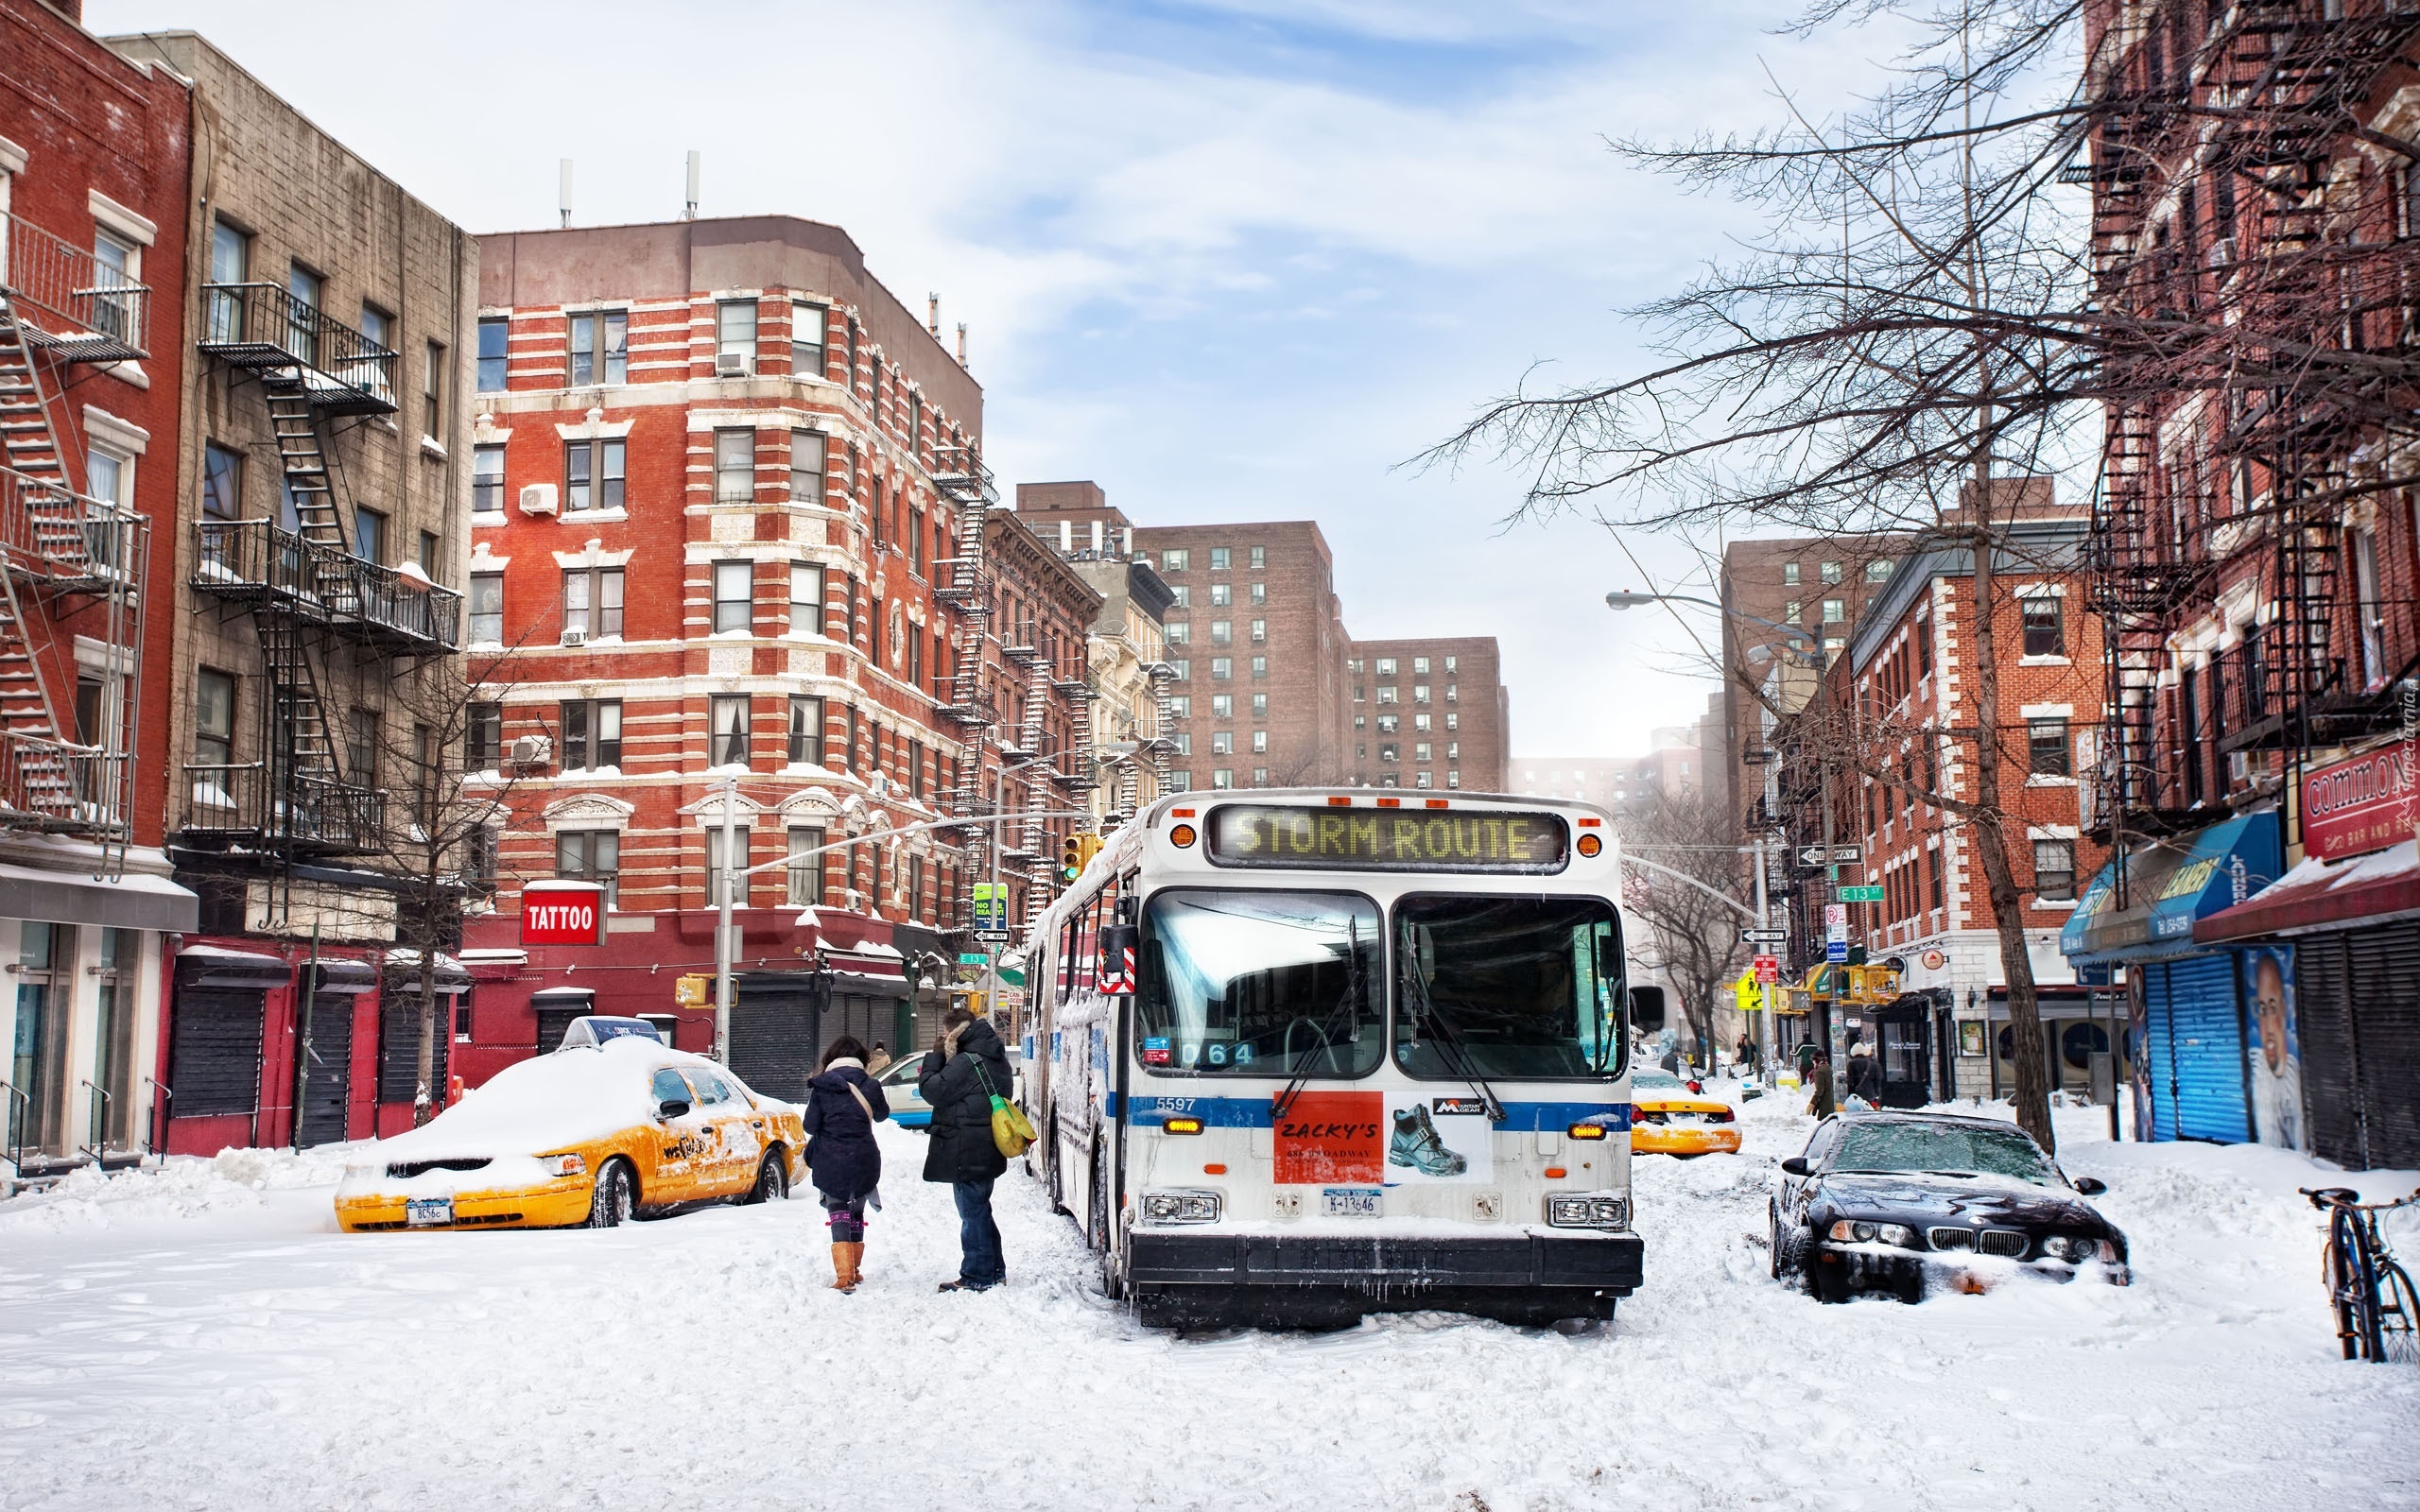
(304, 464)
(966, 483)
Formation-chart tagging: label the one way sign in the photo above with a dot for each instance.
(1817, 855)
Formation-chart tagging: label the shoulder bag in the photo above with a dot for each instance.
(1011, 1131)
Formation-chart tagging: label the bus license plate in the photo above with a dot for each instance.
(426, 1213)
(1350, 1202)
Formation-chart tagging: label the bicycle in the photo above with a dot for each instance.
(2377, 1313)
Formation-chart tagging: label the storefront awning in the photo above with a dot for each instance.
(213, 966)
(2169, 886)
(343, 974)
(2371, 889)
(564, 997)
(130, 901)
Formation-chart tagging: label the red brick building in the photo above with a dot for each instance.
(93, 165)
(1899, 699)
(733, 533)
(1429, 713)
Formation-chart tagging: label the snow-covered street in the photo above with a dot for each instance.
(188, 1337)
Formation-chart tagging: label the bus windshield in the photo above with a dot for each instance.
(1504, 987)
(1260, 983)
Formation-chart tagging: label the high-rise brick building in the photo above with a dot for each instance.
(1428, 713)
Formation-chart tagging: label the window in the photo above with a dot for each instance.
(1223, 706)
(807, 730)
(2045, 748)
(806, 598)
(1789, 574)
(1421, 779)
(1420, 752)
(1260, 632)
(735, 466)
(593, 601)
(1176, 559)
(735, 596)
(222, 482)
(1831, 571)
(736, 332)
(592, 731)
(727, 730)
(1387, 693)
(714, 866)
(1184, 596)
(487, 609)
(1183, 739)
(1260, 706)
(214, 735)
(1223, 743)
(1222, 632)
(1222, 777)
(1790, 611)
(369, 534)
(1260, 777)
(1261, 593)
(1220, 595)
(1180, 705)
(590, 855)
(1221, 669)
(1181, 669)
(808, 323)
(1177, 632)
(1260, 668)
(1420, 666)
(303, 291)
(600, 347)
(806, 467)
(1454, 753)
(231, 261)
(1259, 558)
(2045, 625)
(487, 480)
(432, 391)
(1453, 779)
(1420, 722)
(1389, 724)
(427, 556)
(1218, 558)
(806, 872)
(593, 476)
(1180, 781)
(1390, 753)
(1386, 666)
(1419, 692)
(2054, 869)
(1835, 610)
(1260, 742)
(494, 335)
(361, 748)
(1877, 572)
(483, 738)
(1449, 664)
(2373, 626)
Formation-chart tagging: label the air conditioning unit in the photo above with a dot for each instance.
(532, 750)
(733, 364)
(573, 635)
(2223, 251)
(538, 498)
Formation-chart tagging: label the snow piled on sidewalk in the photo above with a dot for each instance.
(206, 1353)
(183, 1187)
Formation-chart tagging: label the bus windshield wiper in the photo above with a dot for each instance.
(1452, 1048)
(1344, 1008)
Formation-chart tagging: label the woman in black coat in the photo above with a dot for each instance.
(842, 1160)
(967, 1066)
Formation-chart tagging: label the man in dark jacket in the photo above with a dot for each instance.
(967, 1065)
(1865, 1073)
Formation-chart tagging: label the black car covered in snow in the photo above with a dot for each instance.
(1897, 1201)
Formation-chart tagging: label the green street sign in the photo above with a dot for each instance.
(1851, 893)
(976, 959)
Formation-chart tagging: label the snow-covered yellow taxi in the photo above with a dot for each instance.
(590, 1134)
(1668, 1118)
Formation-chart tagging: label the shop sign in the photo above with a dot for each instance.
(557, 913)
(2360, 804)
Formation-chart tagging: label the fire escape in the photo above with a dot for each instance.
(967, 484)
(72, 565)
(313, 603)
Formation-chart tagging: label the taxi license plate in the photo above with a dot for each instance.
(426, 1213)
(1350, 1202)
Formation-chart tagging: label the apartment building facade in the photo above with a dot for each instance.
(94, 156)
(1428, 713)
(1256, 648)
(733, 550)
(1041, 761)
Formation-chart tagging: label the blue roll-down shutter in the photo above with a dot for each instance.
(2197, 1034)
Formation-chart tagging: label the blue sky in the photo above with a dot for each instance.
(1233, 259)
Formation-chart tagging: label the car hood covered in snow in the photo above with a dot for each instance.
(1987, 1201)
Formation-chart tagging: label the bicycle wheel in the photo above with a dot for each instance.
(2398, 1316)
(2350, 1284)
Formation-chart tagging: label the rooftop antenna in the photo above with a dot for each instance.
(962, 343)
(563, 197)
(696, 157)
(933, 315)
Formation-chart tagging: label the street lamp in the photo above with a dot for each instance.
(1625, 598)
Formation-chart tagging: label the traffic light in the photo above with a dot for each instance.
(1091, 844)
(1071, 858)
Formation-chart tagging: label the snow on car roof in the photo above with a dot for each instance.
(543, 1104)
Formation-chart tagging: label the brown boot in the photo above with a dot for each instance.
(856, 1261)
(844, 1278)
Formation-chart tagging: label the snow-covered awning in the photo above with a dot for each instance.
(130, 901)
(216, 966)
(2371, 889)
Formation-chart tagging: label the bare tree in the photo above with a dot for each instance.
(1693, 936)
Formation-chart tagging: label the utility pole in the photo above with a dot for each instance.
(732, 872)
(1764, 990)
(999, 811)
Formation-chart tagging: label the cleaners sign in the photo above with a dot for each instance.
(562, 913)
(2360, 804)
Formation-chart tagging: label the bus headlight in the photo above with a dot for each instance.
(1180, 1207)
(1583, 1210)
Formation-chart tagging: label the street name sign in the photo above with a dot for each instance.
(1854, 893)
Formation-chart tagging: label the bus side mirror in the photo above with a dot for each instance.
(1647, 1008)
(1117, 942)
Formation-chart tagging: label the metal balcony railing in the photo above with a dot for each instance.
(66, 539)
(68, 301)
(254, 561)
(289, 342)
(250, 801)
(57, 785)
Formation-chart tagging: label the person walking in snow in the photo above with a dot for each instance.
(967, 1067)
(843, 1103)
(879, 1061)
(1821, 1102)
(1865, 1075)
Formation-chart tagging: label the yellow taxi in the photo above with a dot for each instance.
(592, 1134)
(1667, 1118)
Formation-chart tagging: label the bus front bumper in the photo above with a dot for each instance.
(1555, 1276)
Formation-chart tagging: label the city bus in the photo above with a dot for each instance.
(1300, 1055)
